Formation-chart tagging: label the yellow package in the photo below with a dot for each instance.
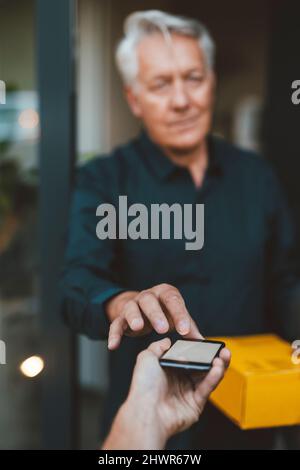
(262, 385)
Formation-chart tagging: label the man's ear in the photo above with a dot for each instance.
(133, 101)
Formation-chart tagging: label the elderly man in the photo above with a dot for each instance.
(135, 290)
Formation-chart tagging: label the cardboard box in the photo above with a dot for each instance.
(262, 385)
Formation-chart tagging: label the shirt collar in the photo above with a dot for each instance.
(163, 167)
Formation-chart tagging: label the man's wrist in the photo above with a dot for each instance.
(136, 427)
(145, 427)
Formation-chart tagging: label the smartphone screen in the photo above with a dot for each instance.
(198, 354)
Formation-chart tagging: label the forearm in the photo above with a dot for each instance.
(135, 427)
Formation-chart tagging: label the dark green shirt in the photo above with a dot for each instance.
(240, 282)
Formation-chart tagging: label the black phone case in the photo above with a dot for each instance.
(196, 366)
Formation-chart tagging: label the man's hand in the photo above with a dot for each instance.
(162, 402)
(160, 308)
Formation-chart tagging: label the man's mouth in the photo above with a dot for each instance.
(187, 122)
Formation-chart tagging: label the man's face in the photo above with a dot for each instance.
(175, 92)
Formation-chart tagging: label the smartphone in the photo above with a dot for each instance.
(192, 354)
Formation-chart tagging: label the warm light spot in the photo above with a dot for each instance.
(32, 366)
(28, 119)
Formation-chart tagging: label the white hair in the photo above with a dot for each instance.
(139, 24)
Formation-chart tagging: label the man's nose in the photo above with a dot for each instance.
(179, 97)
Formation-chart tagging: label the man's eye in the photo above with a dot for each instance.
(159, 85)
(196, 78)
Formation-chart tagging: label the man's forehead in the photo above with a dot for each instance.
(158, 56)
